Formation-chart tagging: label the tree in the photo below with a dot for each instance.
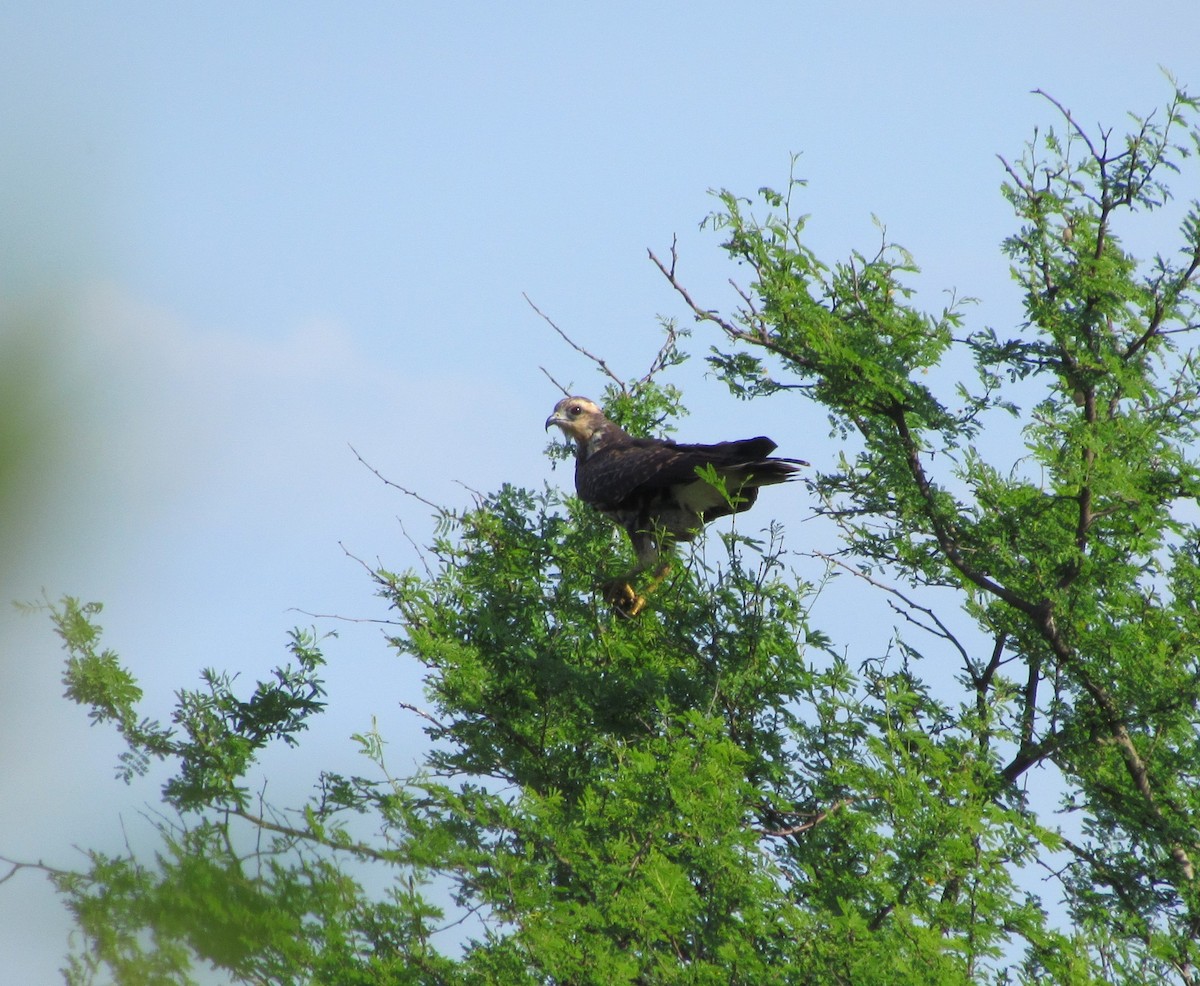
(712, 792)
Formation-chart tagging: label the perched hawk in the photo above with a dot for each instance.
(656, 489)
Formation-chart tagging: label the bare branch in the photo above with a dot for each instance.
(423, 714)
(16, 866)
(1079, 131)
(813, 821)
(659, 363)
(702, 314)
(941, 629)
(578, 348)
(561, 389)
(440, 510)
(356, 848)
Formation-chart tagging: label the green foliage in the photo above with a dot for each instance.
(1076, 557)
(713, 792)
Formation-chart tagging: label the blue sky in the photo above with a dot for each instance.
(253, 235)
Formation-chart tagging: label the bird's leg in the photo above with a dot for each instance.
(622, 597)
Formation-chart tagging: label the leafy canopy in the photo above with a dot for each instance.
(714, 792)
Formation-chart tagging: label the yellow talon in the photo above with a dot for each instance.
(622, 597)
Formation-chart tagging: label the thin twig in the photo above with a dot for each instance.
(702, 314)
(942, 630)
(441, 511)
(1079, 131)
(374, 573)
(812, 822)
(423, 714)
(17, 866)
(565, 392)
(340, 618)
(574, 345)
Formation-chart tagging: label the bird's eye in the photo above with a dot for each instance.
(574, 409)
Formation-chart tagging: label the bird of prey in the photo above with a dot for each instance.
(661, 491)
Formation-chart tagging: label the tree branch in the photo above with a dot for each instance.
(813, 821)
(604, 368)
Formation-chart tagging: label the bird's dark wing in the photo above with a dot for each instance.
(681, 464)
(613, 474)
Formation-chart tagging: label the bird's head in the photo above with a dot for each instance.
(578, 418)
